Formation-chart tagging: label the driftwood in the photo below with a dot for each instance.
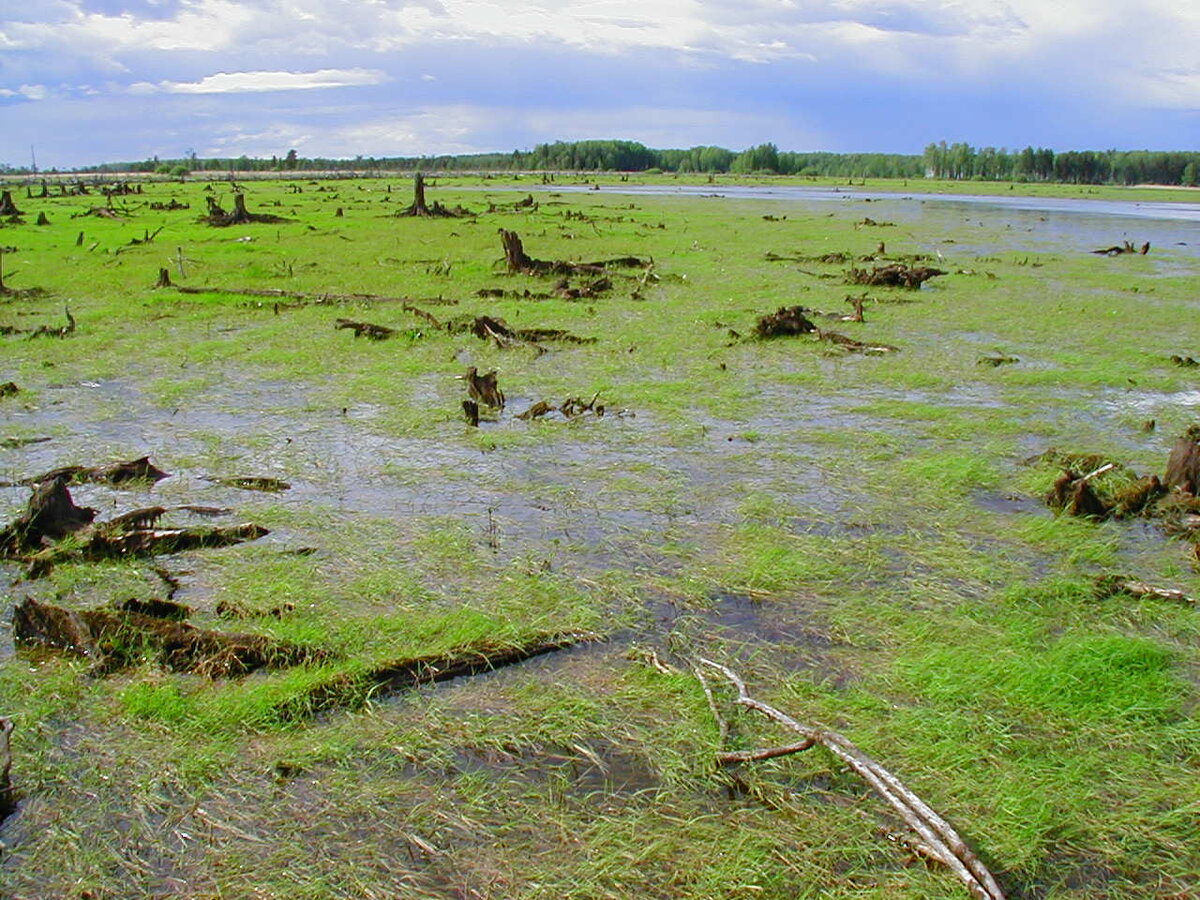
(1124, 247)
(894, 275)
(484, 388)
(1113, 585)
(937, 836)
(354, 689)
(103, 542)
(498, 331)
(117, 639)
(571, 408)
(366, 329)
(255, 483)
(852, 346)
(118, 473)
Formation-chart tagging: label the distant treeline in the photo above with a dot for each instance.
(953, 161)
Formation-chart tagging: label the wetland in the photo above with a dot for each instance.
(851, 516)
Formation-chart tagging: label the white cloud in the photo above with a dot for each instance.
(33, 91)
(259, 82)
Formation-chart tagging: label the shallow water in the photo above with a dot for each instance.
(1035, 225)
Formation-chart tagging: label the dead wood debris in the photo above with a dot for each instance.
(13, 443)
(850, 345)
(58, 331)
(307, 298)
(366, 329)
(1123, 248)
(36, 536)
(1117, 585)
(353, 689)
(519, 262)
(996, 360)
(170, 206)
(893, 275)
(937, 836)
(1184, 362)
(118, 473)
(255, 483)
(9, 389)
(571, 408)
(219, 218)
(114, 640)
(1111, 490)
(495, 329)
(784, 322)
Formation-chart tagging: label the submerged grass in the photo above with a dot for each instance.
(856, 532)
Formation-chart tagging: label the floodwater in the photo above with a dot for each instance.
(1037, 225)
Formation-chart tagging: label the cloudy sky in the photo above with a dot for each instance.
(86, 81)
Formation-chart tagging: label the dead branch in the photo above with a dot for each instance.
(1112, 585)
(366, 329)
(936, 833)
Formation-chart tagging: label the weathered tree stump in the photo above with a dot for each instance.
(484, 388)
(786, 321)
(7, 206)
(164, 279)
(1183, 468)
(51, 514)
(118, 639)
(514, 254)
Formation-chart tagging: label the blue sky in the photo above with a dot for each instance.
(87, 81)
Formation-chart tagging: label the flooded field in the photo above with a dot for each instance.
(851, 516)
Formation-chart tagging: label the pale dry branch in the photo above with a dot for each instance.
(936, 834)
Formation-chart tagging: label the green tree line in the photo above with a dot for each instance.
(959, 161)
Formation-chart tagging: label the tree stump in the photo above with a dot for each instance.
(1183, 468)
(7, 207)
(514, 252)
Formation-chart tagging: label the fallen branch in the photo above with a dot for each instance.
(942, 841)
(366, 329)
(1111, 585)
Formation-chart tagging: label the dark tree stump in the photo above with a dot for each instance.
(7, 207)
(1183, 468)
(51, 514)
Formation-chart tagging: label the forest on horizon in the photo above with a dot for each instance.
(957, 161)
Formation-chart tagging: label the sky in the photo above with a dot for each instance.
(90, 81)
